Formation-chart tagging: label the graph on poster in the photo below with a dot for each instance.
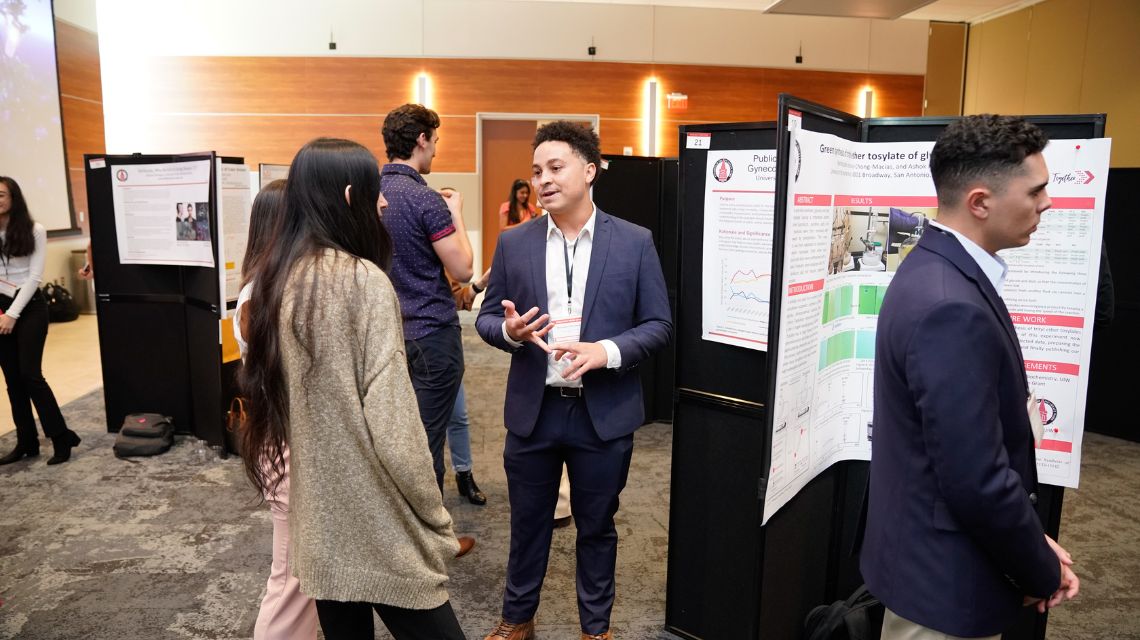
(743, 286)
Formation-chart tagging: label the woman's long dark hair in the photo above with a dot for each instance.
(514, 215)
(18, 239)
(265, 213)
(315, 217)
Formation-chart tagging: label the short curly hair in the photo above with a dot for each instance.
(982, 147)
(403, 126)
(581, 138)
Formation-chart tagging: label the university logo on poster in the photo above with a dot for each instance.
(722, 170)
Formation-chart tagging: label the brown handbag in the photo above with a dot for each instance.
(235, 418)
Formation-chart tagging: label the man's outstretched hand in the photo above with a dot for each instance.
(526, 328)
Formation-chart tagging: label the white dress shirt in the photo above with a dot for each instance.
(559, 254)
(991, 264)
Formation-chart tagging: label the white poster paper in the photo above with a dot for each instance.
(1051, 295)
(737, 264)
(162, 213)
(233, 224)
(851, 209)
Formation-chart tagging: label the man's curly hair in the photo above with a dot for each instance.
(982, 147)
(581, 138)
(403, 125)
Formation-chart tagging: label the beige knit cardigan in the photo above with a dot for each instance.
(366, 517)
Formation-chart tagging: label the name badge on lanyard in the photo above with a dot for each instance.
(566, 330)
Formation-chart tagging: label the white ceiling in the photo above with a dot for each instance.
(941, 10)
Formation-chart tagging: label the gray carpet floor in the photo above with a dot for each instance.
(178, 547)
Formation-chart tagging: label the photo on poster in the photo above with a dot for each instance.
(192, 222)
(875, 238)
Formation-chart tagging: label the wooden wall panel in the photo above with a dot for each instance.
(81, 105)
(264, 108)
(78, 56)
(945, 68)
(1056, 56)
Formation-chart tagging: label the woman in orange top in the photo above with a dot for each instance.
(518, 209)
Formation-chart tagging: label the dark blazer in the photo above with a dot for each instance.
(625, 301)
(952, 539)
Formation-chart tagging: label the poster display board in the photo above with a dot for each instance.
(162, 213)
(270, 172)
(233, 225)
(854, 210)
(737, 263)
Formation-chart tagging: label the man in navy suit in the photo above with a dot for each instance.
(953, 546)
(596, 307)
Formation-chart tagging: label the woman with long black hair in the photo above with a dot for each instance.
(23, 330)
(517, 209)
(325, 375)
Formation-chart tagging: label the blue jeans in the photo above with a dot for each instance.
(458, 434)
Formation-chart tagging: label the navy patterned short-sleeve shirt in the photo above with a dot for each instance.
(416, 217)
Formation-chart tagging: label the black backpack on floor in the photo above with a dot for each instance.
(61, 306)
(144, 434)
(859, 617)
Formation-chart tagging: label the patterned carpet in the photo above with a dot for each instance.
(178, 547)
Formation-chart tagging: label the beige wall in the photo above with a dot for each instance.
(505, 29)
(1061, 57)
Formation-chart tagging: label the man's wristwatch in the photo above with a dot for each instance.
(476, 288)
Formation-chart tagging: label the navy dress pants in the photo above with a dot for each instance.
(598, 470)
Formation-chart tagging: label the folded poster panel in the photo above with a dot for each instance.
(740, 198)
(854, 210)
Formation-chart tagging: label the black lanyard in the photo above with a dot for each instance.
(569, 258)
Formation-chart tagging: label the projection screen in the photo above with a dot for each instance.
(31, 129)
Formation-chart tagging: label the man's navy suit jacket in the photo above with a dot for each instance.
(625, 301)
(952, 539)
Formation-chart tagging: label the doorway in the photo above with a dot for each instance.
(506, 157)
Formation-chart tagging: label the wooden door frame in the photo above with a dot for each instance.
(481, 116)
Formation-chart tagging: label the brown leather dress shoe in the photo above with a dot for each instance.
(511, 631)
(607, 635)
(466, 543)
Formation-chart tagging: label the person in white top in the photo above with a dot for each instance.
(286, 613)
(23, 330)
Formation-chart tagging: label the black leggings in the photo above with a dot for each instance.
(21, 357)
(352, 620)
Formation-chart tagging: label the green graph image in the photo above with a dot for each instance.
(865, 300)
(846, 345)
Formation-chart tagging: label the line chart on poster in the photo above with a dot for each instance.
(748, 285)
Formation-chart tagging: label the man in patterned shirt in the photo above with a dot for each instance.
(429, 237)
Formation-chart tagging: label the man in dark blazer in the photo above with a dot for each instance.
(953, 546)
(596, 307)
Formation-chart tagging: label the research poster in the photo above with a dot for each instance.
(270, 172)
(740, 189)
(854, 212)
(162, 213)
(1051, 295)
(233, 221)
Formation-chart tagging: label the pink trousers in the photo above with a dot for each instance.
(286, 613)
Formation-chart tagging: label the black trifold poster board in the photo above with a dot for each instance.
(728, 576)
(159, 337)
(643, 190)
